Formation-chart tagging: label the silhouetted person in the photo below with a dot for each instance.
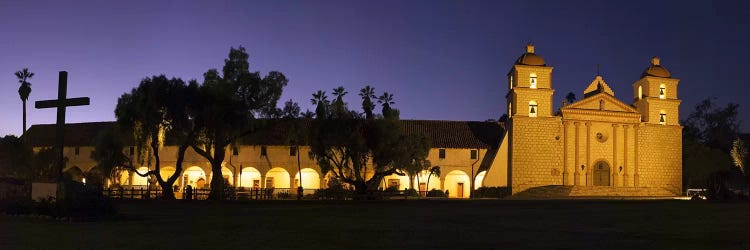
(189, 192)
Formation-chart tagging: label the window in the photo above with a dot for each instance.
(263, 151)
(473, 154)
(510, 109)
(510, 82)
(292, 151)
(78, 150)
(532, 81)
(132, 151)
(441, 153)
(640, 92)
(235, 151)
(533, 109)
(662, 92)
(662, 118)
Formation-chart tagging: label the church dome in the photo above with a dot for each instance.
(656, 70)
(529, 58)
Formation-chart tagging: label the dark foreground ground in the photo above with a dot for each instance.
(479, 224)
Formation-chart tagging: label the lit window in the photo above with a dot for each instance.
(292, 151)
(78, 150)
(640, 92)
(533, 109)
(235, 151)
(473, 154)
(510, 82)
(662, 91)
(441, 153)
(510, 109)
(662, 118)
(532, 81)
(263, 151)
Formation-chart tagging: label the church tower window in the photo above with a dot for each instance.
(640, 92)
(532, 81)
(510, 82)
(662, 118)
(662, 92)
(533, 109)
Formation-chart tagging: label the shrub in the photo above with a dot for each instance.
(435, 193)
(491, 192)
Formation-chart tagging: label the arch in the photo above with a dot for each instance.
(95, 176)
(228, 175)
(662, 91)
(74, 173)
(310, 179)
(457, 184)
(532, 80)
(421, 182)
(533, 108)
(140, 180)
(250, 177)
(397, 182)
(166, 172)
(479, 179)
(601, 173)
(195, 177)
(662, 117)
(277, 178)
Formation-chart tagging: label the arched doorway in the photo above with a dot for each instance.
(227, 175)
(310, 179)
(601, 174)
(195, 177)
(140, 180)
(426, 182)
(250, 177)
(277, 178)
(397, 182)
(479, 179)
(457, 184)
(74, 173)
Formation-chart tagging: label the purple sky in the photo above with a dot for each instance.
(443, 60)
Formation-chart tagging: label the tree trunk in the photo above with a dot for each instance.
(24, 117)
(217, 180)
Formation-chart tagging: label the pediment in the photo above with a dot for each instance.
(598, 85)
(601, 101)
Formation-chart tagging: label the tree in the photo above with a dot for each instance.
(24, 90)
(739, 154)
(156, 108)
(291, 110)
(715, 127)
(433, 171)
(386, 100)
(320, 100)
(570, 97)
(15, 157)
(360, 151)
(368, 93)
(229, 103)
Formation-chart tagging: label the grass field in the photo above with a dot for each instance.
(478, 224)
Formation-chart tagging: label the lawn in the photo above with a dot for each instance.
(579, 224)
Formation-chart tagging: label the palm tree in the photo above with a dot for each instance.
(571, 97)
(321, 101)
(367, 93)
(386, 100)
(25, 90)
(338, 105)
(433, 171)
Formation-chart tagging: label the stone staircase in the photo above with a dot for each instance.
(561, 192)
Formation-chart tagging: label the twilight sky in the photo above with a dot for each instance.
(443, 60)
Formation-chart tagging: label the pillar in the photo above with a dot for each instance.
(589, 174)
(566, 177)
(625, 177)
(615, 167)
(577, 171)
(635, 164)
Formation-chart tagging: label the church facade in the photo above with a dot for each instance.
(595, 146)
(597, 141)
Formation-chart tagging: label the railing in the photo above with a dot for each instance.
(131, 193)
(243, 193)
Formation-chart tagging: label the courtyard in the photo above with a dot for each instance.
(473, 224)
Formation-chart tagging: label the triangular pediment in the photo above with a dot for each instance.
(598, 86)
(601, 101)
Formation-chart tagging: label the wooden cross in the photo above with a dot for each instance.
(60, 103)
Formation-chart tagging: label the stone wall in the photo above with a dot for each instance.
(660, 157)
(535, 152)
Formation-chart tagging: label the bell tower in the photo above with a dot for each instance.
(530, 86)
(655, 95)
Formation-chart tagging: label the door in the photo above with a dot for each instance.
(601, 174)
(460, 190)
(423, 189)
